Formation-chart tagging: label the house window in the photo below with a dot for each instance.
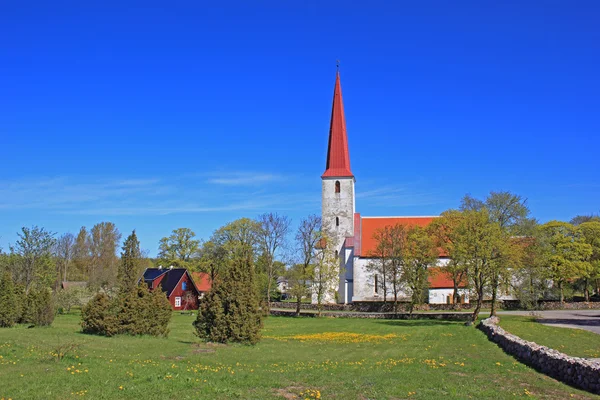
(337, 186)
(184, 286)
(337, 221)
(177, 301)
(376, 285)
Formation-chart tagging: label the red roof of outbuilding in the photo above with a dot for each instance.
(338, 157)
(202, 281)
(369, 226)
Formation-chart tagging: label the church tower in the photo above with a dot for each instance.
(337, 194)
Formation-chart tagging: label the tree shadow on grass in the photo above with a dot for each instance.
(419, 322)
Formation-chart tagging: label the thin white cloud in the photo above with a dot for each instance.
(244, 179)
(128, 196)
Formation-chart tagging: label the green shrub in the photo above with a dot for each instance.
(97, 317)
(8, 301)
(38, 308)
(135, 312)
(230, 311)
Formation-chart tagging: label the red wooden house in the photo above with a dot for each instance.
(178, 285)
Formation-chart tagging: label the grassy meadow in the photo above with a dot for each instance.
(574, 342)
(297, 358)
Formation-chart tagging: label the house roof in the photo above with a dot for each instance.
(202, 281)
(171, 280)
(439, 279)
(71, 284)
(369, 225)
(338, 156)
(151, 274)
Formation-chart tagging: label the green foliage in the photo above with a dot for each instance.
(565, 252)
(419, 253)
(8, 301)
(31, 258)
(38, 307)
(179, 249)
(97, 317)
(230, 311)
(137, 312)
(129, 267)
(65, 299)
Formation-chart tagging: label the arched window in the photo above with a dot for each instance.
(376, 285)
(337, 254)
(337, 221)
(337, 186)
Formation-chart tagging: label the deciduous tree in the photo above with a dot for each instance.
(308, 237)
(271, 236)
(420, 252)
(32, 257)
(565, 252)
(180, 248)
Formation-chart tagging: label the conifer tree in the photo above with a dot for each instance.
(130, 263)
(230, 311)
(8, 302)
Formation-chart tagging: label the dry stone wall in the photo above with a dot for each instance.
(574, 371)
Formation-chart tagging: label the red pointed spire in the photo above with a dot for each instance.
(338, 157)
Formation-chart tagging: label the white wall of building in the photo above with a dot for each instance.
(440, 296)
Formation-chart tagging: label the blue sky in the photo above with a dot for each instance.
(159, 115)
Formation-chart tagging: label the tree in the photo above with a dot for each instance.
(510, 212)
(580, 219)
(590, 231)
(212, 258)
(230, 311)
(478, 245)
(8, 301)
(63, 251)
(81, 256)
(271, 235)
(308, 237)
(380, 264)
(445, 235)
(419, 253)
(103, 242)
(565, 252)
(179, 248)
(129, 267)
(299, 277)
(33, 257)
(325, 274)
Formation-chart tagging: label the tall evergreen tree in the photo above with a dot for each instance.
(230, 311)
(129, 267)
(8, 303)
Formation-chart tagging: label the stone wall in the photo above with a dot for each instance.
(379, 306)
(574, 371)
(435, 316)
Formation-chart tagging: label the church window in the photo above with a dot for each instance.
(337, 221)
(337, 254)
(337, 186)
(376, 285)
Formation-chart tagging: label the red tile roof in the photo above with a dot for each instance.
(202, 281)
(439, 279)
(338, 157)
(370, 224)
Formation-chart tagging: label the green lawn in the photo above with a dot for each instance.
(574, 342)
(303, 357)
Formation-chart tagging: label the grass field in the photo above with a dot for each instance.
(574, 342)
(297, 358)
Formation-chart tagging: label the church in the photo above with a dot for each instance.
(352, 233)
